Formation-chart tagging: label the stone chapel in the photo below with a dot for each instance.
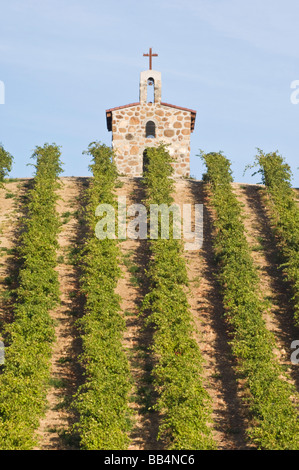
(147, 123)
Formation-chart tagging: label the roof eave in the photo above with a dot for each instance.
(111, 110)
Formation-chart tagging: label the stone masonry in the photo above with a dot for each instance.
(168, 123)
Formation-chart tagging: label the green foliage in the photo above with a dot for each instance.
(102, 401)
(25, 375)
(5, 164)
(274, 417)
(182, 400)
(157, 180)
(277, 176)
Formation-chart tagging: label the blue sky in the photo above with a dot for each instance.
(64, 62)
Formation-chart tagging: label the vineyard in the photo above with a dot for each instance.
(139, 344)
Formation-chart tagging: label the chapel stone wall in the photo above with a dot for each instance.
(173, 126)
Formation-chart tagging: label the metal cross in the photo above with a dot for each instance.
(150, 55)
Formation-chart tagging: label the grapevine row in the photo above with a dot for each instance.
(6, 160)
(269, 395)
(183, 402)
(277, 175)
(24, 378)
(102, 401)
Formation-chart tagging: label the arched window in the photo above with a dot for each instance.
(150, 130)
(150, 90)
